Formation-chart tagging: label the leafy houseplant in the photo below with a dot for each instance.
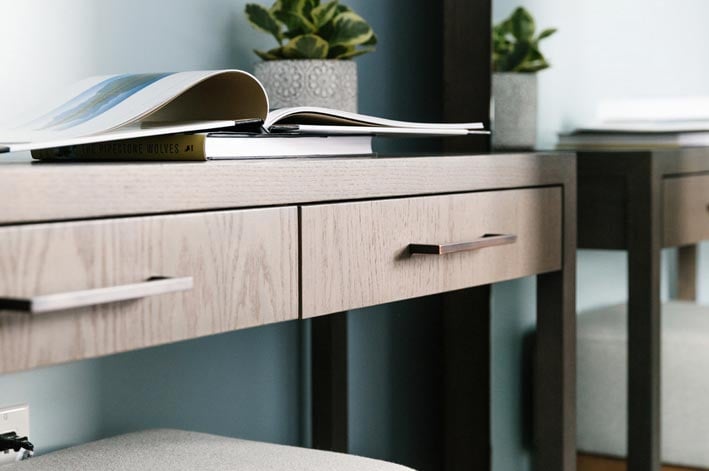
(515, 60)
(310, 64)
(514, 46)
(307, 29)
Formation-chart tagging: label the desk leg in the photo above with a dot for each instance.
(644, 322)
(466, 353)
(555, 373)
(687, 271)
(329, 383)
(555, 382)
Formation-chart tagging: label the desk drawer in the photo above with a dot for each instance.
(686, 210)
(358, 254)
(242, 266)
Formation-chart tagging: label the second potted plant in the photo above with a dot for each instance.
(516, 59)
(311, 64)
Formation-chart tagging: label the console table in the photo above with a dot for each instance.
(107, 257)
(641, 202)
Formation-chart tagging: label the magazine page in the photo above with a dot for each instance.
(100, 105)
(325, 116)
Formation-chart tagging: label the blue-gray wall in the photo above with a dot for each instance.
(246, 383)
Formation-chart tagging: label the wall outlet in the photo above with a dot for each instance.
(14, 419)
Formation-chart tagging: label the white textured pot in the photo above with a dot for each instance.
(514, 118)
(306, 82)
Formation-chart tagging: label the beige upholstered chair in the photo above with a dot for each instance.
(602, 384)
(176, 450)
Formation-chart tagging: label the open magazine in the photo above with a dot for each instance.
(127, 106)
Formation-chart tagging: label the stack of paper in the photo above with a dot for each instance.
(644, 124)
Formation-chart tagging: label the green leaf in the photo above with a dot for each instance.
(296, 23)
(349, 52)
(356, 52)
(343, 8)
(324, 13)
(522, 24)
(262, 19)
(310, 5)
(307, 46)
(272, 55)
(546, 33)
(504, 27)
(293, 6)
(517, 57)
(350, 29)
(373, 41)
(533, 66)
(514, 46)
(336, 51)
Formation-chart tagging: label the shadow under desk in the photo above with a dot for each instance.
(103, 258)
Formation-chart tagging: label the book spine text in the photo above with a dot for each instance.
(171, 147)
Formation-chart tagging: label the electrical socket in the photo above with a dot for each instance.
(14, 419)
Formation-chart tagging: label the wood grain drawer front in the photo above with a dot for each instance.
(686, 210)
(243, 266)
(358, 254)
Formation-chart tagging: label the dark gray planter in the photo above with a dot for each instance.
(328, 83)
(514, 120)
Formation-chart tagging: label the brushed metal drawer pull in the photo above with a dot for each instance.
(91, 297)
(487, 240)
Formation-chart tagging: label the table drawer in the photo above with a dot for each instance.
(686, 210)
(358, 254)
(242, 266)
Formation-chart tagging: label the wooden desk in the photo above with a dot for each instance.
(642, 202)
(255, 242)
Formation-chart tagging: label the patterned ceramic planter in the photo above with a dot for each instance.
(514, 120)
(328, 83)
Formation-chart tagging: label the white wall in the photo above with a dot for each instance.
(50, 43)
(605, 49)
(608, 49)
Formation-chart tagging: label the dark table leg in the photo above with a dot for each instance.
(329, 383)
(555, 379)
(466, 354)
(555, 375)
(643, 232)
(687, 273)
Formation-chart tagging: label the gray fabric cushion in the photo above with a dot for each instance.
(602, 382)
(175, 450)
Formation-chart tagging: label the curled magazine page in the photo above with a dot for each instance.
(324, 116)
(105, 104)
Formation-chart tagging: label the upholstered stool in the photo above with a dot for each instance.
(602, 383)
(176, 450)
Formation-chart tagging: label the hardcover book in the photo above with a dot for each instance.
(211, 146)
(128, 106)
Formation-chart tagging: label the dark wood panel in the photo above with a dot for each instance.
(330, 420)
(555, 374)
(466, 345)
(643, 229)
(467, 27)
(602, 212)
(687, 273)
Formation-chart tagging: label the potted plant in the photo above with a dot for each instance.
(312, 63)
(516, 59)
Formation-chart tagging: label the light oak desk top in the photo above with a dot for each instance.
(237, 244)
